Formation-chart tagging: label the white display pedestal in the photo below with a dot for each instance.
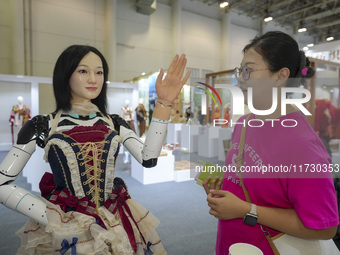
(184, 170)
(162, 172)
(208, 142)
(224, 134)
(35, 168)
(182, 175)
(174, 133)
(189, 137)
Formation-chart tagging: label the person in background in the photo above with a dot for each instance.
(188, 114)
(141, 117)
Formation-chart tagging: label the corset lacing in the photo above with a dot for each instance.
(92, 171)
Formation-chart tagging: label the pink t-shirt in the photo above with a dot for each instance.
(311, 194)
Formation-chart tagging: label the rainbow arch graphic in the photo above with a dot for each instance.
(207, 91)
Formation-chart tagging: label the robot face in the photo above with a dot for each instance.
(87, 80)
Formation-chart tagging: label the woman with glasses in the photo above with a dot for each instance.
(300, 200)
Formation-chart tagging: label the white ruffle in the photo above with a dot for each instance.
(71, 162)
(84, 108)
(110, 165)
(92, 238)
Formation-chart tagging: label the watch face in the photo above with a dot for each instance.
(250, 220)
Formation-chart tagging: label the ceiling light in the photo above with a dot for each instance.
(305, 48)
(268, 17)
(223, 4)
(329, 38)
(302, 28)
(143, 73)
(310, 45)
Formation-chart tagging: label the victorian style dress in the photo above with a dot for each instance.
(88, 210)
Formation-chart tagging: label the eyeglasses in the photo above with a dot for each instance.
(245, 71)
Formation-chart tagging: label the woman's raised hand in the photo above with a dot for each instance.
(168, 88)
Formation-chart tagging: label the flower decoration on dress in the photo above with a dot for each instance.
(68, 202)
(65, 246)
(148, 251)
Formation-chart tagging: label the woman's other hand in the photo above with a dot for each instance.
(225, 205)
(215, 184)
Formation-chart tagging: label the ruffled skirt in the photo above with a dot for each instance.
(76, 233)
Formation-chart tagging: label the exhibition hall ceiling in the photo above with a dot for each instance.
(320, 18)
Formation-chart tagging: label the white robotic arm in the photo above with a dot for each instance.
(132, 142)
(146, 153)
(13, 196)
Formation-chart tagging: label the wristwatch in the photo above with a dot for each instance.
(251, 217)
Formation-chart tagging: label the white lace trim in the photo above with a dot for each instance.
(110, 166)
(71, 162)
(84, 108)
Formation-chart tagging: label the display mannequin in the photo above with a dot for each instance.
(20, 114)
(226, 115)
(141, 117)
(217, 114)
(84, 208)
(127, 114)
